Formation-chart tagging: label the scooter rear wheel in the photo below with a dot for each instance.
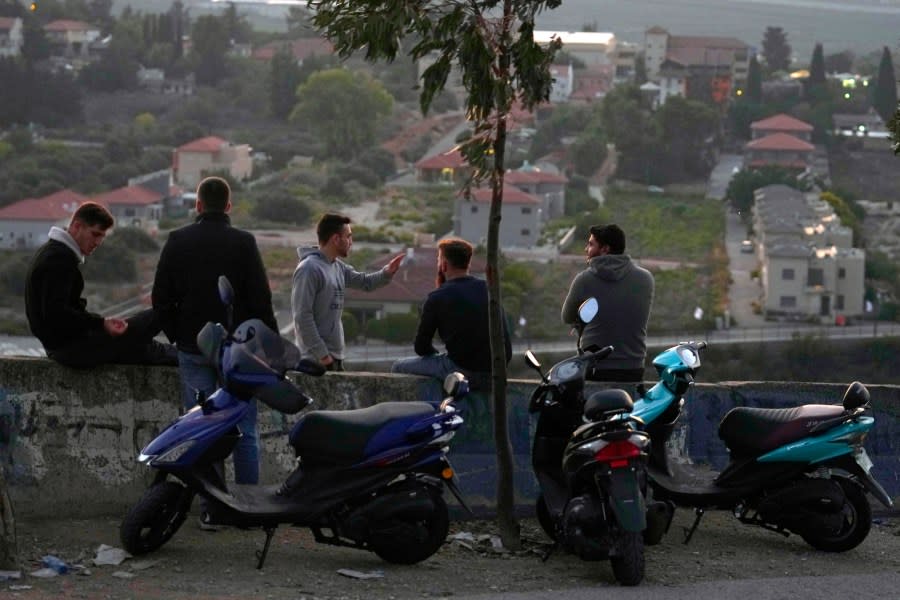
(857, 521)
(406, 542)
(154, 519)
(628, 566)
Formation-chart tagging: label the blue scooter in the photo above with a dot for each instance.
(802, 470)
(370, 478)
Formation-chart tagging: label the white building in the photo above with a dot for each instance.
(591, 48)
(26, 223)
(11, 36)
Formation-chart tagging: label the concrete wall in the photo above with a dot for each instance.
(69, 439)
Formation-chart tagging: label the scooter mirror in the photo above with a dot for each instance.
(588, 310)
(532, 361)
(226, 292)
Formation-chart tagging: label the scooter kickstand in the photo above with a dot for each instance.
(261, 555)
(689, 533)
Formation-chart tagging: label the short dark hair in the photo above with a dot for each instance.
(610, 235)
(214, 193)
(457, 252)
(93, 213)
(330, 224)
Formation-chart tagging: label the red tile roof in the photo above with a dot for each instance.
(134, 195)
(69, 25)
(452, 159)
(210, 145)
(511, 195)
(301, 49)
(699, 56)
(781, 122)
(55, 207)
(780, 141)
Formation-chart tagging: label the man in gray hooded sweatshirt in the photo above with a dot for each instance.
(317, 295)
(624, 292)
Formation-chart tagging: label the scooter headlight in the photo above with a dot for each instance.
(689, 357)
(175, 454)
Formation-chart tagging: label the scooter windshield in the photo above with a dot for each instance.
(258, 349)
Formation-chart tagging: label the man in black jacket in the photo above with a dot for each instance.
(185, 295)
(458, 312)
(58, 315)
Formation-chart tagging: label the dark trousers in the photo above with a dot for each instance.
(134, 347)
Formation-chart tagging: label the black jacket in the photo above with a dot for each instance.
(57, 313)
(185, 290)
(458, 312)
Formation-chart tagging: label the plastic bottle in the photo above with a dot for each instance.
(52, 562)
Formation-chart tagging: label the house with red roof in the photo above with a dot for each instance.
(191, 162)
(300, 49)
(448, 167)
(521, 215)
(71, 39)
(134, 206)
(26, 223)
(11, 36)
(782, 123)
(696, 67)
(549, 187)
(779, 149)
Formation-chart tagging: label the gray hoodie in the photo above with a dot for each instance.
(625, 294)
(317, 301)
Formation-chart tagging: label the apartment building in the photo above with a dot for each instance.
(808, 267)
(11, 37)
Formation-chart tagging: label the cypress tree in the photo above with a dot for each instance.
(884, 99)
(754, 81)
(817, 66)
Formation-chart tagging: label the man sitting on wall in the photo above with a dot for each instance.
(58, 315)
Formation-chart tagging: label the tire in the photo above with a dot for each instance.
(544, 518)
(406, 542)
(628, 566)
(154, 519)
(857, 522)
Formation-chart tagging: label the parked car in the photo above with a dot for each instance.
(747, 247)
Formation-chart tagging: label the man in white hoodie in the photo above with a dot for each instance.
(317, 296)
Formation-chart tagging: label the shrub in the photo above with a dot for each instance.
(394, 328)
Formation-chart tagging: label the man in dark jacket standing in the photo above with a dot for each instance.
(58, 315)
(185, 295)
(625, 294)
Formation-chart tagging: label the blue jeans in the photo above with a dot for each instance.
(197, 374)
(436, 366)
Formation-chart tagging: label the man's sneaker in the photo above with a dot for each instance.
(205, 523)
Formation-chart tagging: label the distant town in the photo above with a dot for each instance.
(668, 137)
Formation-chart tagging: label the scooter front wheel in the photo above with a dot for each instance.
(154, 519)
(628, 565)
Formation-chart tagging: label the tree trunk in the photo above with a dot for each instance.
(9, 560)
(506, 519)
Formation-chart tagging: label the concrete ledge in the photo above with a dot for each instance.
(69, 439)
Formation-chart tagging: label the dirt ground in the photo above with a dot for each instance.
(197, 564)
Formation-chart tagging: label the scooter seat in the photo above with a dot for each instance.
(753, 431)
(337, 437)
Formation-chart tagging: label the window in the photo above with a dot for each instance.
(526, 210)
(842, 272)
(839, 302)
(787, 274)
(474, 209)
(816, 277)
(787, 302)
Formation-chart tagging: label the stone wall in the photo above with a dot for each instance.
(69, 439)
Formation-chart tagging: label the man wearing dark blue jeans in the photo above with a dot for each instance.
(457, 311)
(185, 294)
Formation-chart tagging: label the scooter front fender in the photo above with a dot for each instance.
(625, 498)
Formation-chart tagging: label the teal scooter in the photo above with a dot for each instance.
(799, 470)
